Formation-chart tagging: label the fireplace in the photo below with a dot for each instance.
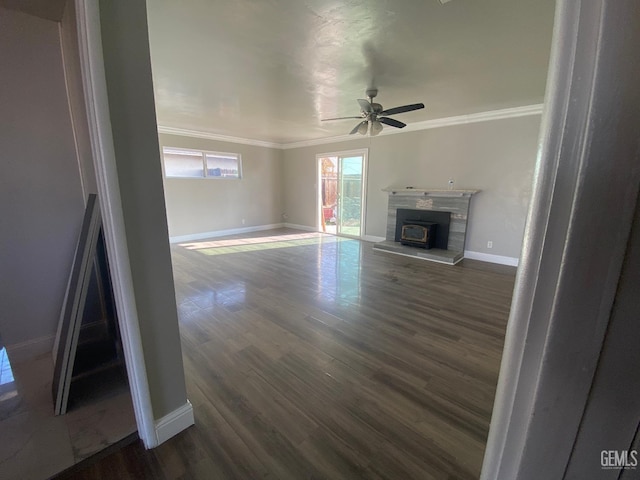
(449, 209)
(438, 222)
(418, 234)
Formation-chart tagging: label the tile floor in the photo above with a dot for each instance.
(35, 444)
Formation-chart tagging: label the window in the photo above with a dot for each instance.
(181, 163)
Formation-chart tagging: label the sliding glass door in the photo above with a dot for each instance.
(341, 192)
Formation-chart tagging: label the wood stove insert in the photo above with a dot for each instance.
(418, 233)
(440, 237)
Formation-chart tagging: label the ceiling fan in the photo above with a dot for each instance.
(372, 115)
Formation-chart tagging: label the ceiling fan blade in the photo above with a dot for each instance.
(365, 105)
(404, 108)
(356, 129)
(392, 122)
(337, 118)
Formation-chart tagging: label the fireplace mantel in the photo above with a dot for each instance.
(456, 202)
(431, 192)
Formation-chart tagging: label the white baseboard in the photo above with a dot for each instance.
(306, 228)
(175, 422)
(236, 231)
(487, 257)
(19, 352)
(372, 238)
(295, 226)
(223, 233)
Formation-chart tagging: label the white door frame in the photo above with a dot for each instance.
(96, 100)
(586, 180)
(364, 152)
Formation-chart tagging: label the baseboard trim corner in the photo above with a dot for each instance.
(488, 257)
(175, 422)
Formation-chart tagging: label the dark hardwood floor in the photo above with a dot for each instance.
(310, 356)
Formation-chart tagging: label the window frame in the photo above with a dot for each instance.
(203, 156)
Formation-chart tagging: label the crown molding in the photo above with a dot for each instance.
(504, 113)
(214, 136)
(435, 123)
(321, 141)
(514, 112)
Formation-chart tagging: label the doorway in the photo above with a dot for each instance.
(341, 192)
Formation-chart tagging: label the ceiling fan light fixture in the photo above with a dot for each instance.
(373, 115)
(376, 127)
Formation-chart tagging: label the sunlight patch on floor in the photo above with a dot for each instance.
(238, 245)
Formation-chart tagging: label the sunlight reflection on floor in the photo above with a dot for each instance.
(339, 269)
(238, 245)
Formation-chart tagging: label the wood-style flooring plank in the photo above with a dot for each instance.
(310, 356)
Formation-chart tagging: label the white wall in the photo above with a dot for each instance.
(208, 205)
(125, 44)
(40, 195)
(495, 156)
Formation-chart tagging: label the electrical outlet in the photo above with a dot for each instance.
(489, 244)
(451, 184)
(243, 221)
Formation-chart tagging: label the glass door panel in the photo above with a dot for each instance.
(328, 194)
(350, 183)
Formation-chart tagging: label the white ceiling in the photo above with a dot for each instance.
(271, 69)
